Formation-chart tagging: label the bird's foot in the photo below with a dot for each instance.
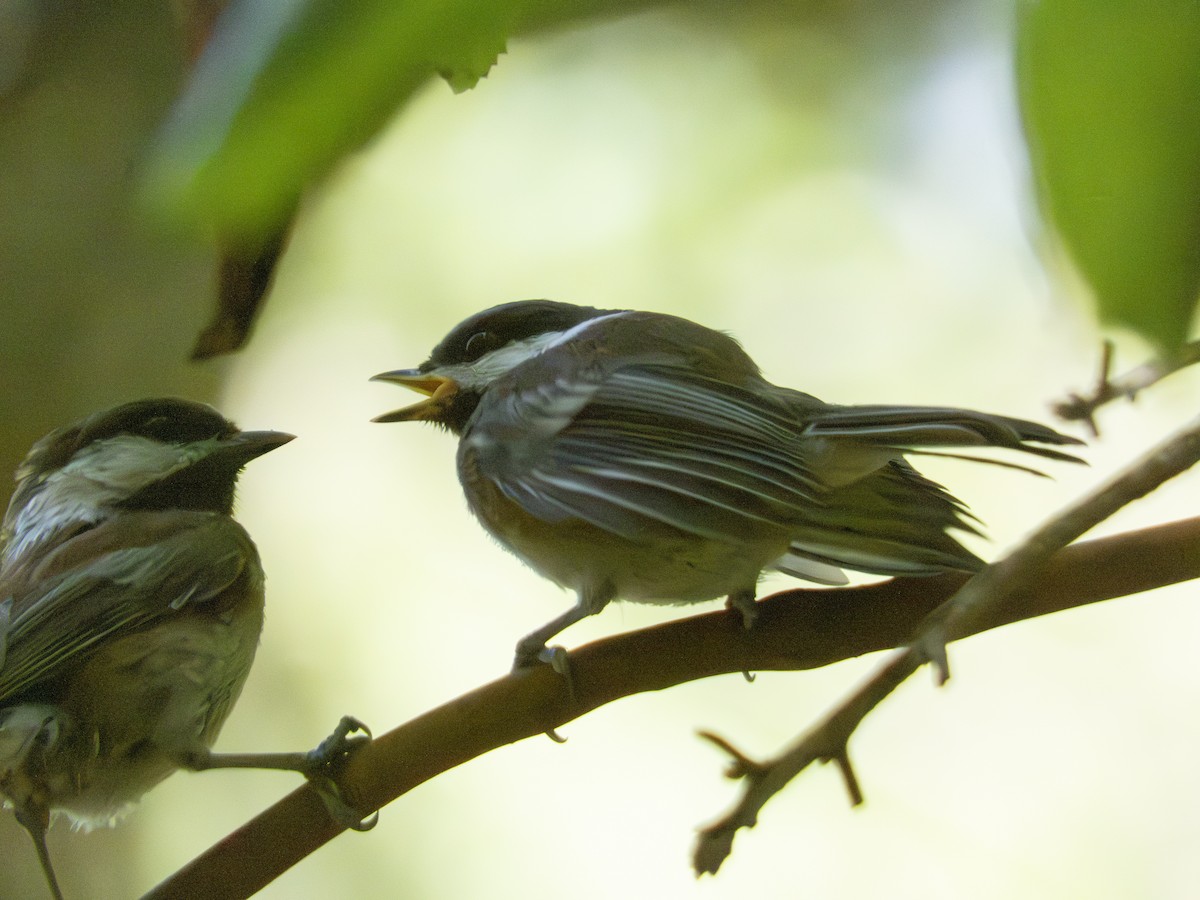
(530, 653)
(744, 603)
(747, 606)
(323, 767)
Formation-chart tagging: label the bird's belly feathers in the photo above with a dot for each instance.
(158, 693)
(669, 566)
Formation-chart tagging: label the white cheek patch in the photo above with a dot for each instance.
(499, 362)
(126, 463)
(99, 476)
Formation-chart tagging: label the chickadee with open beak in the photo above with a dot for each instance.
(131, 605)
(640, 456)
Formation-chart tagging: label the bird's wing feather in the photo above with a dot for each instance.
(105, 590)
(663, 445)
(706, 461)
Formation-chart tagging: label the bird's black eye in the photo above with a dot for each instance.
(478, 344)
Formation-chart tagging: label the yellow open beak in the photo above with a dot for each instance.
(438, 390)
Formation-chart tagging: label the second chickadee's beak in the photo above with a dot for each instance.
(438, 389)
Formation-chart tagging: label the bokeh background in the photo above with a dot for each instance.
(843, 186)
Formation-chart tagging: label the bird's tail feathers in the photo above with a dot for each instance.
(893, 522)
(917, 427)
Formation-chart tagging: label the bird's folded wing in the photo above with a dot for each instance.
(649, 446)
(109, 590)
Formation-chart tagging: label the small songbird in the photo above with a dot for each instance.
(640, 456)
(131, 605)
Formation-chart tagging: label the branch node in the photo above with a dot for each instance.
(1082, 408)
(740, 765)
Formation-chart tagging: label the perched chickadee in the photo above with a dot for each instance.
(640, 456)
(130, 609)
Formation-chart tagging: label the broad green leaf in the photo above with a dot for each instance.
(1110, 97)
(287, 87)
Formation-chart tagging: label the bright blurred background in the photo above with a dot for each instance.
(842, 187)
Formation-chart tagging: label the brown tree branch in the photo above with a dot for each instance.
(799, 629)
(979, 599)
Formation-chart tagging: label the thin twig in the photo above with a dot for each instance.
(797, 629)
(1082, 407)
(981, 599)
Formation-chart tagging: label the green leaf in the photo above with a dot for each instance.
(285, 88)
(1110, 97)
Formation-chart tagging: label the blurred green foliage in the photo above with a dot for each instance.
(96, 307)
(286, 89)
(1110, 92)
